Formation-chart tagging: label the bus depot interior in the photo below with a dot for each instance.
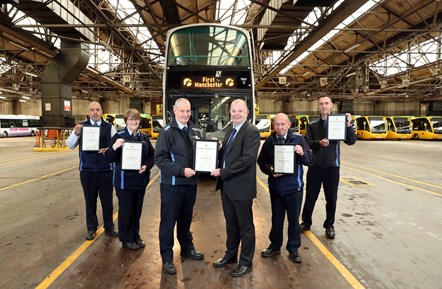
(379, 60)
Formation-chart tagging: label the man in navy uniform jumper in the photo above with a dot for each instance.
(178, 183)
(285, 189)
(95, 172)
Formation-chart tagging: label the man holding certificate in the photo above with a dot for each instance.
(93, 136)
(237, 180)
(174, 153)
(133, 155)
(324, 137)
(282, 157)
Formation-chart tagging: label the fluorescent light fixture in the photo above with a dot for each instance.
(2, 97)
(351, 48)
(31, 74)
(25, 97)
(305, 73)
(351, 74)
(22, 100)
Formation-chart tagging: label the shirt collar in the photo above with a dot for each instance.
(93, 122)
(180, 125)
(238, 127)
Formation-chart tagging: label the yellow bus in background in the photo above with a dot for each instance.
(304, 120)
(146, 124)
(371, 127)
(398, 127)
(264, 125)
(157, 125)
(117, 120)
(294, 123)
(427, 127)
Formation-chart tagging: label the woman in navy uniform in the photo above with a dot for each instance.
(130, 184)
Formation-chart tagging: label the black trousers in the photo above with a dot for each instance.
(329, 179)
(176, 208)
(290, 203)
(98, 184)
(240, 229)
(130, 203)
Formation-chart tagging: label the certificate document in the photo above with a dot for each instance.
(337, 127)
(284, 159)
(205, 157)
(90, 138)
(131, 155)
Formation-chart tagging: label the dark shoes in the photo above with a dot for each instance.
(295, 257)
(131, 245)
(140, 243)
(223, 262)
(90, 235)
(269, 252)
(240, 271)
(111, 233)
(169, 268)
(330, 233)
(303, 227)
(193, 254)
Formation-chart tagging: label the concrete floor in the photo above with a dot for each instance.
(389, 228)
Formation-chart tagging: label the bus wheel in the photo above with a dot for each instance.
(415, 136)
(4, 134)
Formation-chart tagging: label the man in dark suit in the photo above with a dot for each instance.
(236, 179)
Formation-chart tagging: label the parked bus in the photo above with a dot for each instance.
(157, 124)
(117, 120)
(264, 125)
(371, 127)
(304, 120)
(427, 127)
(398, 127)
(18, 125)
(211, 65)
(294, 123)
(146, 124)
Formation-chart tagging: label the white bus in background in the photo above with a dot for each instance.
(18, 125)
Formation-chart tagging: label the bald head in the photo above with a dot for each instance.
(94, 111)
(281, 124)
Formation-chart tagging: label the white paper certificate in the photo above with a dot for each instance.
(284, 159)
(337, 124)
(206, 155)
(90, 138)
(131, 155)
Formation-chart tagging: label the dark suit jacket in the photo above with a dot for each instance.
(238, 178)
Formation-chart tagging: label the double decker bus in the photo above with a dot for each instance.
(210, 65)
(18, 125)
(427, 127)
(398, 127)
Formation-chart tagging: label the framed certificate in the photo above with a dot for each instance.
(284, 159)
(205, 158)
(337, 127)
(90, 138)
(131, 155)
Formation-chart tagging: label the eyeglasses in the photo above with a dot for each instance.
(133, 119)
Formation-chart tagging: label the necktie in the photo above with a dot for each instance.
(228, 144)
(185, 129)
(281, 139)
(95, 124)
